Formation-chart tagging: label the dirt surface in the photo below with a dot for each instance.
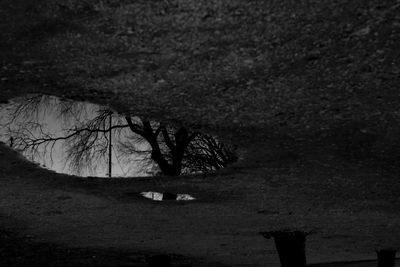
(271, 66)
(22, 251)
(223, 224)
(349, 264)
(289, 73)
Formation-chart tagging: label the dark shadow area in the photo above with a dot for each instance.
(159, 261)
(19, 251)
(386, 257)
(361, 263)
(291, 247)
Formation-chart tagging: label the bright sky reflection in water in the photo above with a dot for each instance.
(156, 196)
(45, 116)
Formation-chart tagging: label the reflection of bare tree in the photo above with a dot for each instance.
(177, 150)
(174, 150)
(168, 144)
(89, 142)
(206, 153)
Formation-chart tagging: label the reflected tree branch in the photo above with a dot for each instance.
(174, 150)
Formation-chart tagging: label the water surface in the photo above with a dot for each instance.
(86, 139)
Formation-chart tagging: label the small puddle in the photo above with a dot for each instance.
(156, 196)
(86, 139)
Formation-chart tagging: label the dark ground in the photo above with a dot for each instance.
(322, 75)
(353, 210)
(22, 251)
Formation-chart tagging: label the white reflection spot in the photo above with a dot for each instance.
(153, 195)
(184, 197)
(160, 196)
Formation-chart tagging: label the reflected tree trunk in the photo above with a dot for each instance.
(386, 257)
(291, 247)
(159, 261)
(110, 148)
(176, 142)
(88, 133)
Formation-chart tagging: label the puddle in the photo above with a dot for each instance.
(156, 196)
(86, 139)
(37, 126)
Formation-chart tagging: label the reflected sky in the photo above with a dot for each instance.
(42, 117)
(156, 196)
